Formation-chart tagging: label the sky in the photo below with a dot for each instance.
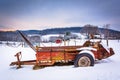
(43, 14)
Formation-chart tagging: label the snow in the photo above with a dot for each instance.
(87, 48)
(107, 69)
(80, 35)
(47, 37)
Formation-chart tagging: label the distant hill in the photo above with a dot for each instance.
(53, 30)
(14, 36)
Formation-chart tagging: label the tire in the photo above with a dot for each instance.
(84, 60)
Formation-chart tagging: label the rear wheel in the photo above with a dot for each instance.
(84, 60)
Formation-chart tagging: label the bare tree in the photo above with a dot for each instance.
(107, 33)
(90, 30)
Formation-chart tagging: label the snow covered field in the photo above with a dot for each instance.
(107, 69)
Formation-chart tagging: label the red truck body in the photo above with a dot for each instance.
(80, 56)
(65, 54)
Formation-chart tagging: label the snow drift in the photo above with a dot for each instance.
(106, 69)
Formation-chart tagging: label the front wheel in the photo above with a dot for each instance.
(84, 60)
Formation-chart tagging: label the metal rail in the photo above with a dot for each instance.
(26, 40)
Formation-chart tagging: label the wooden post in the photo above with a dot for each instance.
(64, 43)
(18, 59)
(107, 32)
(107, 42)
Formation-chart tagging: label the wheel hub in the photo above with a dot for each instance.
(84, 61)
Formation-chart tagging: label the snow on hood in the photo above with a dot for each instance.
(87, 48)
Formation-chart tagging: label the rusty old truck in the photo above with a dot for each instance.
(80, 56)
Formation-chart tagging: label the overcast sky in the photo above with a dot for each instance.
(42, 14)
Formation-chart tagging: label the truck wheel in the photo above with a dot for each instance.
(84, 60)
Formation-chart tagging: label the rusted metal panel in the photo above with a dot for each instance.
(49, 55)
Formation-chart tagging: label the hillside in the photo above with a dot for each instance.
(13, 35)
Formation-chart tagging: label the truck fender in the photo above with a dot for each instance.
(88, 52)
(86, 48)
